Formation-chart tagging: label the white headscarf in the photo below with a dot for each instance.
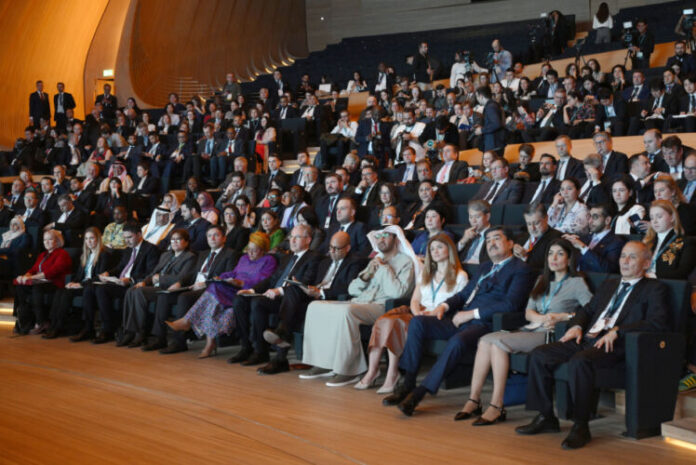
(403, 244)
(9, 236)
(153, 233)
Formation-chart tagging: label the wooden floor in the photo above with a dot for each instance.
(64, 403)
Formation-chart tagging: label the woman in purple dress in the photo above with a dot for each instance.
(213, 312)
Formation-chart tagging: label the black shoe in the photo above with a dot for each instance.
(173, 349)
(401, 390)
(84, 335)
(103, 338)
(409, 404)
(51, 334)
(240, 356)
(256, 359)
(274, 367)
(139, 340)
(480, 421)
(157, 345)
(126, 339)
(540, 424)
(466, 415)
(579, 436)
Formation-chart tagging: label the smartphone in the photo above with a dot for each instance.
(634, 218)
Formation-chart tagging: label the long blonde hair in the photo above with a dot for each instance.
(86, 250)
(453, 266)
(677, 195)
(651, 235)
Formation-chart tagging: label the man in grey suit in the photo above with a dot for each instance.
(502, 189)
(172, 267)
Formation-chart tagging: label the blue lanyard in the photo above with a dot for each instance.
(435, 291)
(546, 300)
(494, 270)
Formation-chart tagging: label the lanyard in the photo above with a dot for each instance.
(546, 300)
(435, 291)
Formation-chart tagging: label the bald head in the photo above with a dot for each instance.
(635, 260)
(339, 245)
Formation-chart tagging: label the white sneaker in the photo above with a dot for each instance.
(343, 380)
(316, 373)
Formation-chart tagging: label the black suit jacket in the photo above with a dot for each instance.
(372, 197)
(599, 193)
(39, 107)
(530, 189)
(281, 178)
(38, 219)
(483, 253)
(68, 102)
(225, 260)
(575, 169)
(197, 232)
(509, 192)
(619, 109)
(459, 170)
(604, 257)
(104, 263)
(347, 272)
(687, 215)
(150, 186)
(321, 208)
(303, 270)
(179, 268)
(645, 309)
(316, 192)
(86, 201)
(359, 244)
(401, 169)
(616, 166)
(290, 113)
(145, 262)
(75, 223)
(537, 256)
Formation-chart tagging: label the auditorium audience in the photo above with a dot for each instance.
(567, 213)
(673, 255)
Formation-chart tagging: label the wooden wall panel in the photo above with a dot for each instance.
(47, 40)
(187, 46)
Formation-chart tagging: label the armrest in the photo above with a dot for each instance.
(508, 321)
(393, 303)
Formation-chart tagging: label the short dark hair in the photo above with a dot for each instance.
(672, 142)
(216, 226)
(192, 204)
(506, 232)
(132, 228)
(607, 210)
(484, 91)
(534, 208)
(657, 84)
(548, 155)
(183, 233)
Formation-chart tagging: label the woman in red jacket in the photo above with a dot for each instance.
(41, 281)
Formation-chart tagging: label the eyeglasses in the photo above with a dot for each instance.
(382, 235)
(177, 239)
(336, 249)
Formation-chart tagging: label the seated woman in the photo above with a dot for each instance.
(270, 224)
(434, 224)
(568, 214)
(107, 201)
(14, 241)
(213, 312)
(415, 216)
(95, 259)
(558, 293)
(208, 210)
(674, 256)
(237, 236)
(388, 197)
(159, 227)
(628, 212)
(307, 216)
(578, 115)
(442, 277)
(246, 212)
(101, 154)
(666, 188)
(41, 281)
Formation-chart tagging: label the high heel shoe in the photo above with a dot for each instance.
(462, 415)
(209, 353)
(362, 386)
(179, 325)
(480, 421)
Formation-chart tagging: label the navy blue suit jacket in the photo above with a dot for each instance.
(604, 258)
(506, 291)
(493, 129)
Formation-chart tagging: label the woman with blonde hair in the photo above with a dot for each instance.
(674, 256)
(441, 278)
(666, 188)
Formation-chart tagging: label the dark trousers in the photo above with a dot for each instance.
(30, 304)
(459, 341)
(293, 308)
(61, 305)
(583, 361)
(107, 295)
(218, 169)
(251, 318)
(164, 308)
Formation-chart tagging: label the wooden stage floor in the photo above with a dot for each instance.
(64, 403)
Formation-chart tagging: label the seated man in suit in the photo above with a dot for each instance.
(367, 190)
(275, 175)
(334, 273)
(639, 170)
(130, 154)
(688, 184)
(331, 335)
(614, 164)
(194, 224)
(60, 181)
(501, 189)
(49, 199)
(210, 264)
(549, 122)
(600, 250)
(687, 104)
(406, 171)
(638, 93)
(338, 142)
(611, 114)
(472, 247)
(526, 171)
(685, 61)
(657, 111)
(145, 195)
(502, 285)
(313, 185)
(251, 313)
(437, 134)
(531, 246)
(325, 208)
(544, 190)
(596, 189)
(234, 189)
(32, 215)
(345, 221)
(137, 261)
(596, 339)
(652, 141)
(451, 170)
(69, 220)
(568, 166)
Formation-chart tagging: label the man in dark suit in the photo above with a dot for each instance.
(61, 184)
(502, 286)
(657, 111)
(451, 170)
(652, 141)
(472, 245)
(596, 339)
(15, 198)
(532, 246)
(251, 313)
(407, 171)
(49, 199)
(614, 163)
(84, 200)
(108, 102)
(549, 120)
(568, 166)
(422, 66)
(493, 129)
(596, 189)
(313, 187)
(194, 224)
(131, 154)
(39, 108)
(334, 273)
(346, 222)
(31, 214)
(687, 104)
(210, 263)
(636, 95)
(368, 135)
(686, 62)
(611, 114)
(206, 149)
(275, 175)
(146, 188)
(642, 46)
(547, 88)
(367, 192)
(278, 87)
(436, 135)
(325, 208)
(501, 189)
(688, 184)
(544, 190)
(639, 171)
(600, 250)
(62, 102)
(137, 261)
(284, 111)
(69, 220)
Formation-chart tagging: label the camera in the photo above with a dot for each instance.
(465, 57)
(627, 33)
(688, 22)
